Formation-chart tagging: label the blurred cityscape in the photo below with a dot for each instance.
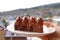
(52, 10)
(46, 11)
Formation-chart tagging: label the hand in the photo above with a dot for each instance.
(54, 36)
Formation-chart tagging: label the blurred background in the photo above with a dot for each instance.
(47, 11)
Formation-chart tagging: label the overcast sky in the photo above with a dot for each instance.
(6, 5)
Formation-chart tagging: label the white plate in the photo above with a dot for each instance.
(46, 31)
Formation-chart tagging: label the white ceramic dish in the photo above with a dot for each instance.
(46, 31)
